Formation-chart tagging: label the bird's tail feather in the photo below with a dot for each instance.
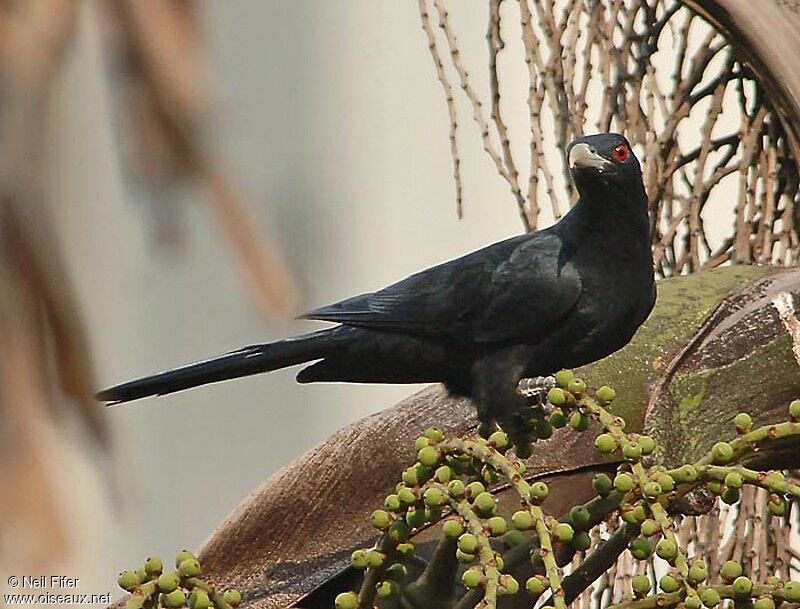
(242, 362)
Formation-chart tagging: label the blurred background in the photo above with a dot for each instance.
(180, 178)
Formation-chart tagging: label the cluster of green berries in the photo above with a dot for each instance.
(150, 584)
(708, 596)
(539, 420)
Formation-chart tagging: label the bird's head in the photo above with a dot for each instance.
(603, 160)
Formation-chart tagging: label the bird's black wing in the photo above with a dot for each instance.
(529, 293)
(507, 290)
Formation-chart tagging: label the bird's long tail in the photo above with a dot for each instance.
(242, 362)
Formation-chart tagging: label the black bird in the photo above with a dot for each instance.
(530, 305)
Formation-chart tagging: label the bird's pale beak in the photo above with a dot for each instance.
(583, 156)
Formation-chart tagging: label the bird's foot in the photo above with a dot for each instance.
(536, 387)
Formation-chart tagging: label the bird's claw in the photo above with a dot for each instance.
(536, 387)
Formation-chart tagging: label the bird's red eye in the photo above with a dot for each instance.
(621, 152)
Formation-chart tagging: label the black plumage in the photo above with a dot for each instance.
(530, 305)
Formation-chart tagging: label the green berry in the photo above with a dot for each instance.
(358, 559)
(429, 456)
(543, 430)
(198, 599)
(523, 447)
(468, 543)
(127, 580)
(632, 451)
(602, 484)
(176, 598)
(464, 557)
(666, 482)
(576, 386)
(535, 586)
(605, 443)
(580, 516)
(508, 585)
(791, 591)
(539, 491)
(686, 473)
(513, 538)
(742, 586)
(743, 422)
(710, 597)
(374, 559)
(765, 602)
(777, 505)
(397, 572)
(522, 520)
(652, 489)
(730, 570)
(536, 558)
(669, 584)
(435, 434)
(692, 602)
(456, 489)
(153, 566)
(142, 575)
(443, 474)
(410, 476)
(667, 549)
(233, 597)
(714, 486)
(640, 548)
(474, 489)
(190, 568)
(579, 421)
(392, 502)
(433, 497)
(167, 582)
(794, 410)
(731, 495)
(648, 444)
(650, 527)
(721, 453)
(499, 440)
(582, 541)
(388, 589)
(472, 578)
(734, 480)
(399, 531)
(183, 555)
(558, 419)
(497, 526)
(698, 572)
(380, 519)
(623, 482)
(421, 443)
(415, 517)
(563, 377)
(345, 600)
(485, 504)
(453, 529)
(556, 396)
(563, 532)
(606, 394)
(405, 549)
(406, 496)
(640, 584)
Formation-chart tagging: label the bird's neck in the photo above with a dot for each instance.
(612, 212)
